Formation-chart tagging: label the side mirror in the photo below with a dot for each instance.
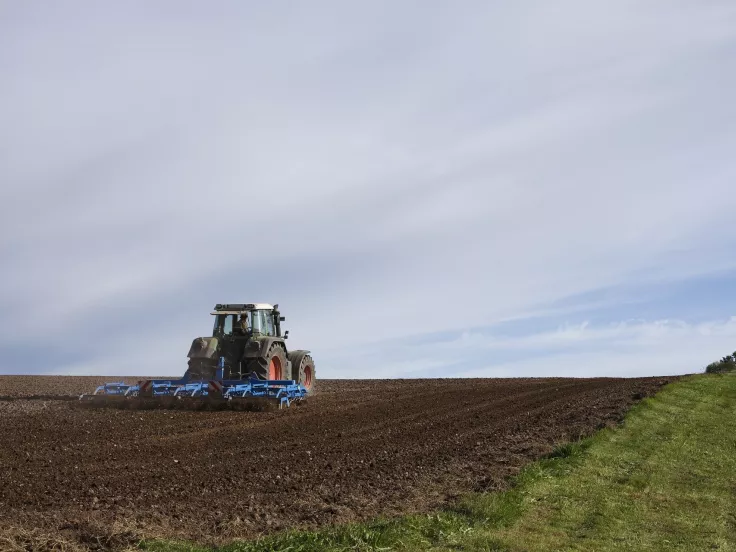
(282, 318)
(286, 335)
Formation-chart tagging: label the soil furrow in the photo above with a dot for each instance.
(356, 450)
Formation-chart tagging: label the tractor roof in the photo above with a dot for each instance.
(237, 308)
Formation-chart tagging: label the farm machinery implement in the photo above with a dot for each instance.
(244, 365)
(218, 394)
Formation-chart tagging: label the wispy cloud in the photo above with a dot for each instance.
(625, 348)
(383, 171)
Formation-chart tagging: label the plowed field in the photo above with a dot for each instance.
(357, 449)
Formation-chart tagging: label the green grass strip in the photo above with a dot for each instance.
(664, 480)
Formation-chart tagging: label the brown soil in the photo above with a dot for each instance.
(61, 387)
(104, 477)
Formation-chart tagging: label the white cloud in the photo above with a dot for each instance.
(628, 348)
(380, 171)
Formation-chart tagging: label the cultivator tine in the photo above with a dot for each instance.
(108, 393)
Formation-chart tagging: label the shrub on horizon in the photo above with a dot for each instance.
(726, 364)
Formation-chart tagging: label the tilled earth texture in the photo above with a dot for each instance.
(103, 478)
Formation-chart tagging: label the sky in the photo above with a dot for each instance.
(427, 189)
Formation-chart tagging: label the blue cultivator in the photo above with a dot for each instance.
(215, 394)
(114, 389)
(281, 391)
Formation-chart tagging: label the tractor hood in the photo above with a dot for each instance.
(203, 347)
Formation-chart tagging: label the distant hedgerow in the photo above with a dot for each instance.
(726, 364)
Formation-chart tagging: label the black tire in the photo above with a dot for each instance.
(260, 367)
(303, 370)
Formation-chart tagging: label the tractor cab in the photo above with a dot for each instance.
(246, 321)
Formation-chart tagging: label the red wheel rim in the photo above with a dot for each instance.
(307, 376)
(274, 369)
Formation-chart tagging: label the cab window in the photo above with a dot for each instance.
(224, 324)
(227, 327)
(267, 323)
(263, 322)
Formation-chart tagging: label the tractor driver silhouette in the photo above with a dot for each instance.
(243, 326)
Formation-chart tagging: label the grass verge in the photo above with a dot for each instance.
(664, 480)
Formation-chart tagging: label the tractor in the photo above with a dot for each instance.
(244, 363)
(247, 343)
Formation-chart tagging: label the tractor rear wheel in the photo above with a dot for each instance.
(270, 366)
(302, 369)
